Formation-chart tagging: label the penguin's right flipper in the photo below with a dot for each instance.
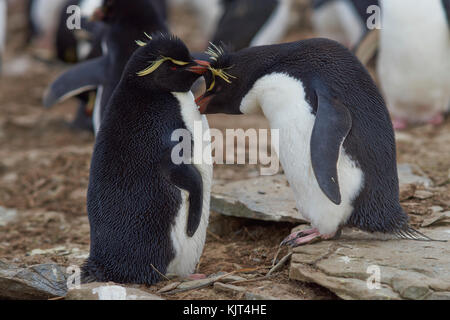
(83, 77)
(186, 177)
(332, 125)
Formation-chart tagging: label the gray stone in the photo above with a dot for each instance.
(108, 291)
(266, 198)
(407, 269)
(41, 281)
(270, 198)
(406, 175)
(423, 194)
(7, 216)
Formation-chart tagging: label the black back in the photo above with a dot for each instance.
(131, 205)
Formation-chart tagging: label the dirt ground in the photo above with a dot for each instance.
(44, 167)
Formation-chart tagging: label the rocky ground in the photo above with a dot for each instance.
(44, 167)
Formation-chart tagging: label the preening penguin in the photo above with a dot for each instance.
(3, 16)
(147, 213)
(126, 21)
(414, 60)
(247, 23)
(336, 141)
(341, 20)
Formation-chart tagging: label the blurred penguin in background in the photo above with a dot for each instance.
(414, 60)
(2, 30)
(248, 23)
(344, 21)
(44, 17)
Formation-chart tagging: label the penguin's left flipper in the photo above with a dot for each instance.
(332, 125)
(186, 177)
(83, 77)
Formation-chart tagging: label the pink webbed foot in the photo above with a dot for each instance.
(399, 124)
(196, 276)
(436, 120)
(305, 237)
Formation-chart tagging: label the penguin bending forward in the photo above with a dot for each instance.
(336, 141)
(126, 22)
(148, 214)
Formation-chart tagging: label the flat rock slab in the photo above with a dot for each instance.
(108, 291)
(351, 265)
(41, 281)
(270, 198)
(266, 198)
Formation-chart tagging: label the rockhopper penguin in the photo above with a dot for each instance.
(3, 9)
(148, 215)
(414, 60)
(126, 21)
(336, 141)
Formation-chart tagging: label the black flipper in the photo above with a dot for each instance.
(83, 77)
(333, 123)
(186, 177)
(446, 5)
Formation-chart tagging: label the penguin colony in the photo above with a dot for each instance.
(148, 215)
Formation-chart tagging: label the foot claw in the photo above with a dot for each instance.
(290, 239)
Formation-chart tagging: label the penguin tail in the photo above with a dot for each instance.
(409, 233)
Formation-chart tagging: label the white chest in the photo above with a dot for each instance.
(189, 249)
(282, 100)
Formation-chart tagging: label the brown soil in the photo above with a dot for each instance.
(44, 167)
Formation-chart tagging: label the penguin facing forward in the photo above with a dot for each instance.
(414, 60)
(344, 21)
(125, 21)
(247, 23)
(3, 16)
(148, 214)
(336, 141)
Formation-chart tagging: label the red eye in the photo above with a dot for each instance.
(173, 68)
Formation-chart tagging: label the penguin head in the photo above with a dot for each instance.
(163, 64)
(224, 79)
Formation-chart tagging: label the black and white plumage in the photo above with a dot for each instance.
(126, 23)
(247, 23)
(148, 215)
(414, 60)
(336, 141)
(344, 21)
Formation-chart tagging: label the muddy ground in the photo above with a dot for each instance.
(44, 170)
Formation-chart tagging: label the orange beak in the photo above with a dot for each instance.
(200, 68)
(203, 102)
